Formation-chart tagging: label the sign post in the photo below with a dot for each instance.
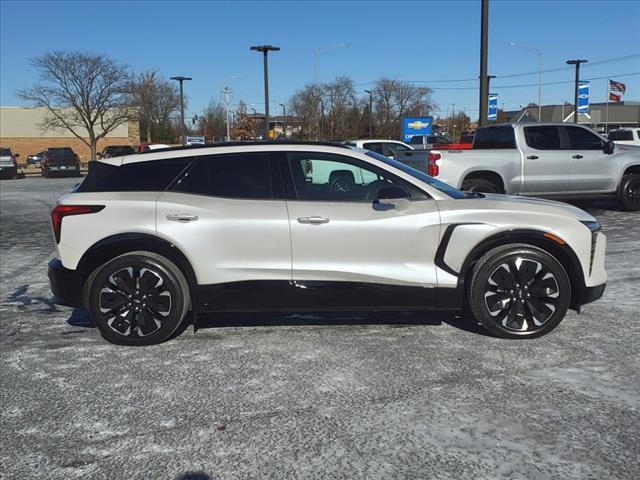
(412, 126)
(492, 113)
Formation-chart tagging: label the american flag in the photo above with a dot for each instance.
(617, 86)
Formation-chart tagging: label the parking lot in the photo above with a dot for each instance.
(395, 395)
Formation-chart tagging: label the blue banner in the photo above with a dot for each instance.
(492, 113)
(583, 96)
(412, 126)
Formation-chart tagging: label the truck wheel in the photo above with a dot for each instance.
(519, 291)
(629, 192)
(480, 185)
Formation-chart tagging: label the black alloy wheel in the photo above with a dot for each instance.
(629, 192)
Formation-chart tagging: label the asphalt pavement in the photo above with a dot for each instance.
(378, 396)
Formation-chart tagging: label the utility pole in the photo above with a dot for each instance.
(484, 47)
(575, 91)
(182, 125)
(453, 121)
(265, 49)
(370, 113)
(227, 100)
(284, 119)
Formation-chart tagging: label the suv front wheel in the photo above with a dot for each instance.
(519, 291)
(139, 298)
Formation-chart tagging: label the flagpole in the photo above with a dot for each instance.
(606, 121)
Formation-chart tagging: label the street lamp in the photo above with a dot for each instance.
(265, 49)
(182, 126)
(284, 119)
(539, 53)
(370, 113)
(575, 93)
(316, 51)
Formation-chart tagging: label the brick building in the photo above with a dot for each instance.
(20, 131)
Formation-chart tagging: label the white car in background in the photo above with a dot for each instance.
(382, 146)
(294, 226)
(625, 136)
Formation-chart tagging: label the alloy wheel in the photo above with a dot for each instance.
(632, 192)
(134, 301)
(521, 294)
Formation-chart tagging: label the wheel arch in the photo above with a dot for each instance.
(632, 169)
(110, 247)
(490, 175)
(563, 253)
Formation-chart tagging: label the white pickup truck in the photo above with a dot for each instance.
(543, 159)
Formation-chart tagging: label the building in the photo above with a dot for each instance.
(620, 114)
(21, 131)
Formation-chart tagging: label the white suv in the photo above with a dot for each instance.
(308, 226)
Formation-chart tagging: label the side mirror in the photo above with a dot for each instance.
(609, 147)
(396, 197)
(17, 155)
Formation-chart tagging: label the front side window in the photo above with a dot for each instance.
(542, 137)
(582, 139)
(334, 178)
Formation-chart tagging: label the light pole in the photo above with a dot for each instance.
(370, 113)
(539, 53)
(265, 49)
(484, 55)
(182, 126)
(284, 119)
(227, 100)
(316, 51)
(575, 92)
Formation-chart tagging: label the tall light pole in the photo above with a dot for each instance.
(539, 53)
(370, 113)
(284, 119)
(265, 49)
(484, 47)
(182, 126)
(316, 51)
(575, 92)
(227, 100)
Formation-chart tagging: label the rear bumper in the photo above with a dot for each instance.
(66, 285)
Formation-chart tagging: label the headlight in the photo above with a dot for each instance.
(593, 226)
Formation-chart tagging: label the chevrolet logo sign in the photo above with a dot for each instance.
(417, 125)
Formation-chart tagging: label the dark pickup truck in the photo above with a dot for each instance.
(60, 161)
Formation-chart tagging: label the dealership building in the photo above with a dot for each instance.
(21, 131)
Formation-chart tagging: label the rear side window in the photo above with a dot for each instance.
(150, 176)
(244, 175)
(543, 137)
(621, 135)
(494, 137)
(374, 147)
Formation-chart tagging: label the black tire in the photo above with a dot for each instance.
(519, 299)
(45, 174)
(629, 192)
(118, 292)
(481, 185)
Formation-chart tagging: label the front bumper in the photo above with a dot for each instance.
(66, 285)
(586, 295)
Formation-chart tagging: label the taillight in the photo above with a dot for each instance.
(61, 211)
(45, 160)
(432, 167)
(15, 162)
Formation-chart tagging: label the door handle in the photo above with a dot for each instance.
(576, 156)
(313, 220)
(532, 157)
(182, 217)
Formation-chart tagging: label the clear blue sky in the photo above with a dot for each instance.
(210, 42)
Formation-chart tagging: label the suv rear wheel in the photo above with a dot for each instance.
(139, 298)
(519, 291)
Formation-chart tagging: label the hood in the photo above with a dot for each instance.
(539, 204)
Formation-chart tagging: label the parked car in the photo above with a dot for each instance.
(35, 159)
(543, 159)
(8, 163)
(423, 141)
(60, 161)
(625, 136)
(384, 147)
(309, 226)
(116, 151)
(147, 147)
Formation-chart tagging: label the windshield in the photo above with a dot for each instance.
(5, 152)
(423, 177)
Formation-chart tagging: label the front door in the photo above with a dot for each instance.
(591, 169)
(364, 253)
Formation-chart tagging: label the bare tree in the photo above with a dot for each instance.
(244, 128)
(156, 100)
(212, 123)
(305, 104)
(394, 99)
(84, 93)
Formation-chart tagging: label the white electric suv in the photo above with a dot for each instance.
(308, 226)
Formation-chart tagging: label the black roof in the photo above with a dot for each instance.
(241, 144)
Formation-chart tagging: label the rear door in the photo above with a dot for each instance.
(591, 169)
(546, 166)
(342, 238)
(228, 217)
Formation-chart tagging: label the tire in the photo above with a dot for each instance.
(629, 192)
(509, 309)
(481, 185)
(118, 292)
(45, 174)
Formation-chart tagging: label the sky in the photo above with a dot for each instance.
(430, 42)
